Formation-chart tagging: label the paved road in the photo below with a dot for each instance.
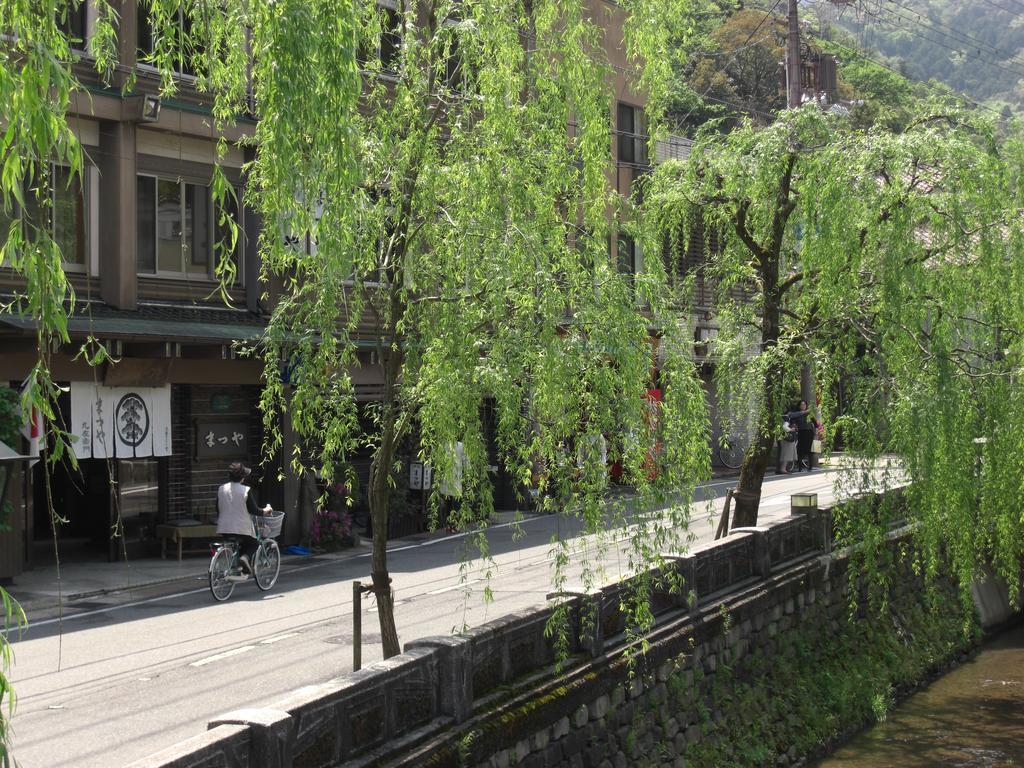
(137, 677)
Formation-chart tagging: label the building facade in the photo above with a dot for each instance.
(157, 425)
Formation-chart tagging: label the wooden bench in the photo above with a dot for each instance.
(179, 533)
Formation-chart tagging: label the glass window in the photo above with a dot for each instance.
(57, 202)
(177, 224)
(197, 229)
(229, 213)
(146, 226)
(146, 43)
(69, 216)
(627, 255)
(71, 20)
(632, 141)
(139, 486)
(145, 32)
(168, 226)
(390, 40)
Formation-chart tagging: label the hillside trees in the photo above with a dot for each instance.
(892, 263)
(736, 67)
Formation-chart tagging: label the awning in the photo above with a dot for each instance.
(9, 454)
(145, 328)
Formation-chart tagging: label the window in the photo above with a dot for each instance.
(61, 204)
(138, 487)
(632, 135)
(179, 228)
(72, 22)
(455, 42)
(627, 255)
(390, 40)
(146, 40)
(389, 44)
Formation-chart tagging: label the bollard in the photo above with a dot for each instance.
(357, 622)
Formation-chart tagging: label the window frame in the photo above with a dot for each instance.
(179, 71)
(364, 57)
(213, 223)
(88, 187)
(636, 138)
(85, 9)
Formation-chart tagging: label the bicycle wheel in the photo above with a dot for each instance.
(730, 454)
(267, 564)
(221, 586)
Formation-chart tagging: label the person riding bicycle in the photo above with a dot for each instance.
(236, 504)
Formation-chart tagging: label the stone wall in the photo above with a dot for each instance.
(755, 661)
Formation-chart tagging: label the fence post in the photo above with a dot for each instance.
(357, 626)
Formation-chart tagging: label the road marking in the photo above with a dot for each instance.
(219, 656)
(33, 624)
(373, 608)
(454, 587)
(270, 640)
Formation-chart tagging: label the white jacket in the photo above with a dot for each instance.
(232, 511)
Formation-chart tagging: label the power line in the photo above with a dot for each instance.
(704, 96)
(862, 55)
(969, 39)
(942, 43)
(1003, 8)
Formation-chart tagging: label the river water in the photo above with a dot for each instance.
(972, 717)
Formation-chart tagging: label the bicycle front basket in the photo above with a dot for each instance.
(270, 525)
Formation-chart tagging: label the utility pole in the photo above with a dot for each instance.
(794, 98)
(793, 66)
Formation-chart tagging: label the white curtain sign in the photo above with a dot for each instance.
(81, 420)
(120, 422)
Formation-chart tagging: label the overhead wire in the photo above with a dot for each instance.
(863, 55)
(704, 96)
(944, 43)
(960, 34)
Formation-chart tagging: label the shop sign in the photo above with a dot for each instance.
(120, 422)
(421, 476)
(221, 439)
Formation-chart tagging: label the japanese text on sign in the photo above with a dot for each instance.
(215, 439)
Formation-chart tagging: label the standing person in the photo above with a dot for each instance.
(236, 504)
(787, 446)
(805, 425)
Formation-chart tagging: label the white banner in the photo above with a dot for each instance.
(161, 414)
(103, 404)
(82, 396)
(133, 425)
(120, 422)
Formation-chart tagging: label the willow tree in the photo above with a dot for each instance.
(449, 162)
(892, 262)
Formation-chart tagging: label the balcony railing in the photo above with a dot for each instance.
(671, 148)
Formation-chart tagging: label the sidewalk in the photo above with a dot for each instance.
(41, 589)
(48, 586)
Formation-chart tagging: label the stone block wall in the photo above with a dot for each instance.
(765, 657)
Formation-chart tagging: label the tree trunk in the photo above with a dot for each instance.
(379, 497)
(747, 497)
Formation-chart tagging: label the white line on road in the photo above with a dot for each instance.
(277, 638)
(373, 608)
(219, 656)
(108, 609)
(454, 587)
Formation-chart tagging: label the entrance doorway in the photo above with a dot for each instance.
(81, 511)
(89, 502)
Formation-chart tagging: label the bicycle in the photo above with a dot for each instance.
(731, 452)
(266, 562)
